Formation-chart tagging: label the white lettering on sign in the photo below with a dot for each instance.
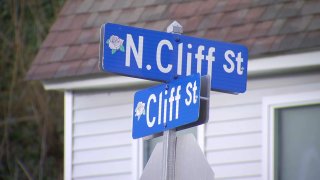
(170, 100)
(239, 60)
(233, 63)
(160, 107)
(188, 101)
(230, 68)
(210, 58)
(199, 56)
(227, 55)
(179, 68)
(152, 97)
(192, 96)
(165, 108)
(195, 88)
(177, 99)
(189, 56)
(136, 53)
(159, 50)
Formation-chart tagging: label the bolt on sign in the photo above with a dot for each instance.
(162, 56)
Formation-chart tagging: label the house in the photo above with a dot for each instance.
(269, 132)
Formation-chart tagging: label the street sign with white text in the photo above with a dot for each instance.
(162, 56)
(166, 106)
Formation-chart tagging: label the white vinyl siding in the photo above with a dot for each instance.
(102, 143)
(233, 143)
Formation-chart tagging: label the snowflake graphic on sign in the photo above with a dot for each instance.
(140, 110)
(115, 43)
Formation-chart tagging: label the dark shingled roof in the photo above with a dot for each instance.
(264, 26)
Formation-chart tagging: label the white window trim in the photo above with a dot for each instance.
(137, 158)
(137, 152)
(201, 136)
(270, 104)
(68, 130)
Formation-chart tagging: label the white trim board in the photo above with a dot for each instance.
(68, 130)
(270, 104)
(95, 83)
(256, 67)
(201, 137)
(137, 158)
(284, 63)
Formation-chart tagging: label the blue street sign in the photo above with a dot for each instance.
(166, 106)
(161, 56)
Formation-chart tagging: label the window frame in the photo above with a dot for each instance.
(270, 105)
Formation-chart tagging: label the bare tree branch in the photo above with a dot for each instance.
(24, 169)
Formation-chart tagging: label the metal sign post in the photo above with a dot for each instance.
(169, 136)
(169, 154)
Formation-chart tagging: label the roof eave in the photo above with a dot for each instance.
(264, 66)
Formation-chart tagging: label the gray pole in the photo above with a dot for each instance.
(169, 154)
(169, 136)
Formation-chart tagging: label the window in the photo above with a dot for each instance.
(291, 136)
(297, 143)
